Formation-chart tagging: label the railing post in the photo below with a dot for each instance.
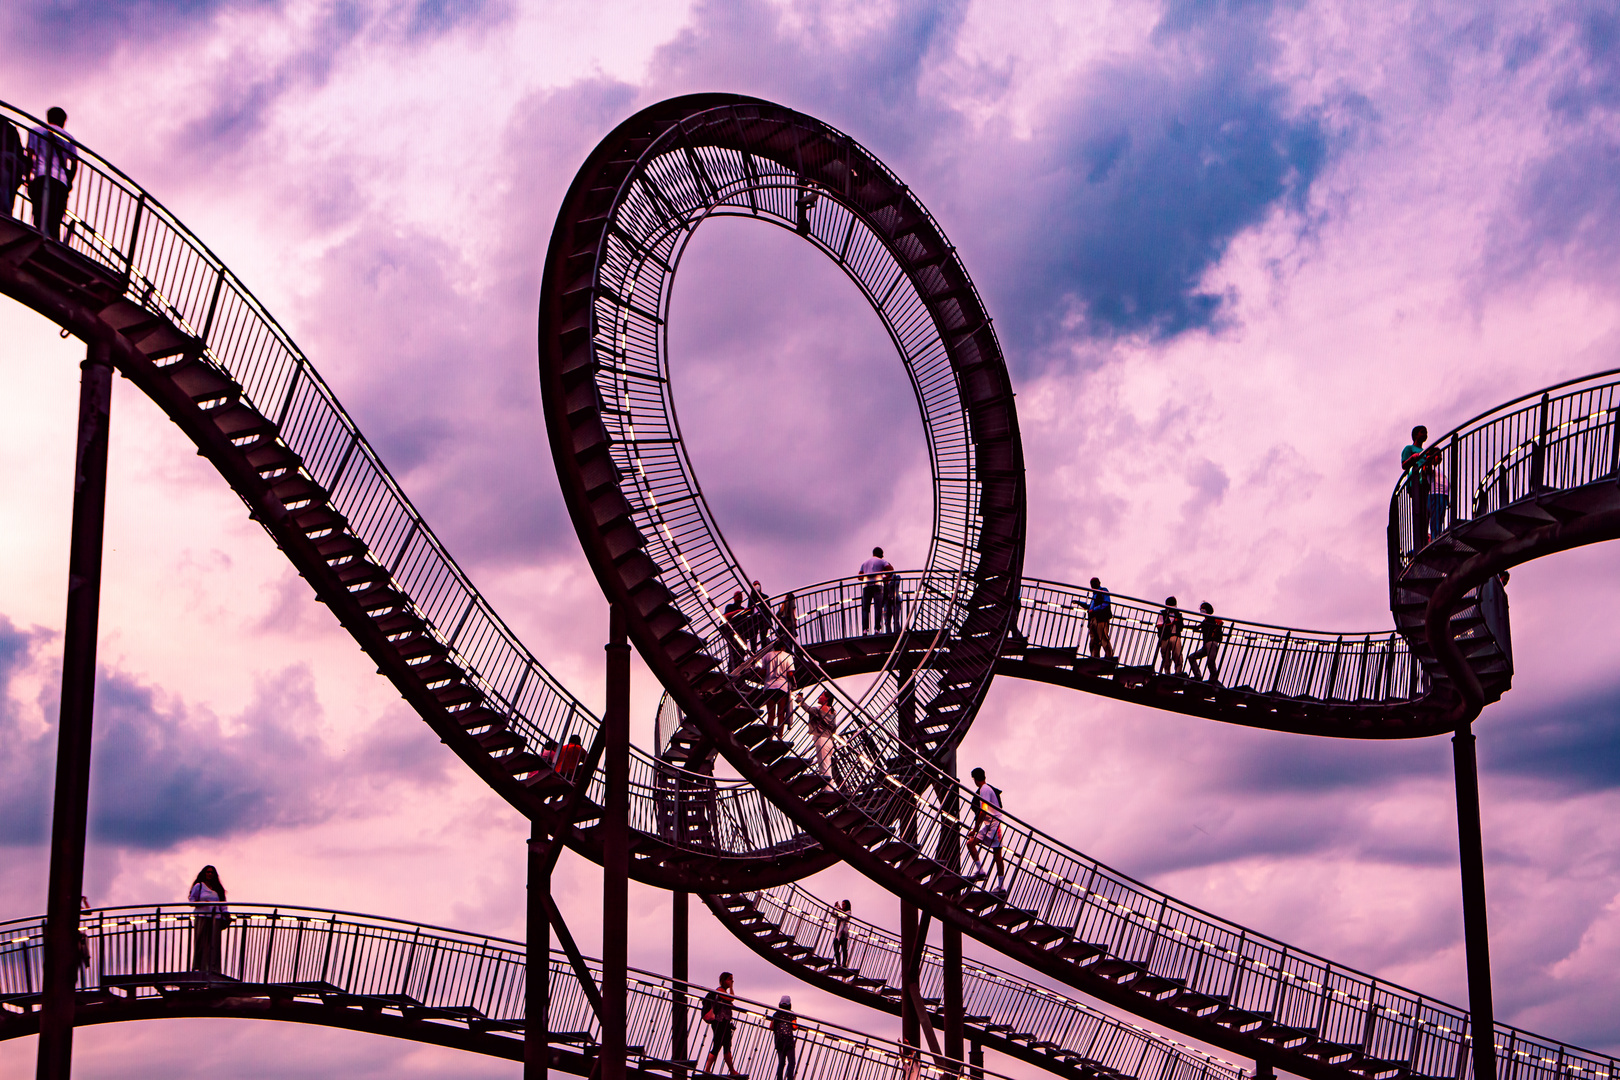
(615, 849)
(72, 798)
(1538, 456)
(1476, 934)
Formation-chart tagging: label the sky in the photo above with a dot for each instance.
(1234, 250)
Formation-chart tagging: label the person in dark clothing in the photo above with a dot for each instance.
(54, 163)
(787, 623)
(1417, 465)
(736, 630)
(1212, 630)
(717, 1014)
(209, 918)
(1169, 627)
(891, 602)
(1099, 612)
(783, 1025)
(759, 617)
(13, 166)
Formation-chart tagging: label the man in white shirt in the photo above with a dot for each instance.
(872, 575)
(986, 832)
(55, 163)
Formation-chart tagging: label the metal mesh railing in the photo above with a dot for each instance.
(447, 974)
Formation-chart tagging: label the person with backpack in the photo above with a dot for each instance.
(1212, 630)
(987, 833)
(783, 1025)
(717, 1014)
(1169, 626)
(1098, 613)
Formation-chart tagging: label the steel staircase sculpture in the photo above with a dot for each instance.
(424, 983)
(192, 338)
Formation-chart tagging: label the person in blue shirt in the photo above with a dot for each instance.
(55, 164)
(1098, 613)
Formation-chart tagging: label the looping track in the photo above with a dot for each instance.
(190, 336)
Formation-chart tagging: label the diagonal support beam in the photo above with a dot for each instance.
(587, 981)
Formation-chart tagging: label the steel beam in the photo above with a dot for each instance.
(70, 815)
(910, 1022)
(537, 965)
(678, 952)
(1476, 932)
(615, 848)
(952, 948)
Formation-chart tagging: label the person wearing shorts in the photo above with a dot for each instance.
(1099, 612)
(986, 834)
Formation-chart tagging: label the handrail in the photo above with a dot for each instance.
(449, 974)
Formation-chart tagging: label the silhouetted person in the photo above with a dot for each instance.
(568, 756)
(13, 165)
(1416, 463)
(872, 571)
(54, 163)
(783, 1025)
(1439, 492)
(209, 916)
(736, 630)
(759, 617)
(986, 832)
(1099, 612)
(1212, 630)
(808, 196)
(787, 622)
(891, 602)
(548, 753)
(840, 914)
(84, 939)
(1169, 627)
(717, 1014)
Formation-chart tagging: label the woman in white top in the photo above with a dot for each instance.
(778, 674)
(208, 921)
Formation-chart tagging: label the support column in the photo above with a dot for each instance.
(1476, 934)
(615, 848)
(976, 1060)
(72, 799)
(1264, 1071)
(537, 975)
(678, 941)
(910, 1022)
(952, 948)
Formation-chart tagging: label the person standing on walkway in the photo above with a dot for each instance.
(787, 622)
(840, 914)
(783, 1025)
(986, 833)
(54, 163)
(717, 1014)
(1099, 611)
(1416, 463)
(872, 571)
(759, 617)
(13, 166)
(209, 916)
(1439, 492)
(1169, 627)
(735, 623)
(1212, 630)
(891, 601)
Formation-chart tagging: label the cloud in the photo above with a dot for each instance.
(84, 30)
(1571, 746)
(163, 773)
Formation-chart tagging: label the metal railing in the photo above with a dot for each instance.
(1026, 1008)
(443, 974)
(1562, 437)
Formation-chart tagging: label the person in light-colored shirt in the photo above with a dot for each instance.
(872, 576)
(209, 917)
(54, 163)
(778, 674)
(986, 832)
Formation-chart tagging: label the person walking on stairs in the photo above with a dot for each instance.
(840, 914)
(777, 669)
(1099, 611)
(783, 1025)
(734, 620)
(717, 1014)
(823, 723)
(1212, 630)
(986, 833)
(872, 571)
(568, 756)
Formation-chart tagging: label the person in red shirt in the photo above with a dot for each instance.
(568, 757)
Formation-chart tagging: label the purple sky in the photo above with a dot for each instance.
(1234, 250)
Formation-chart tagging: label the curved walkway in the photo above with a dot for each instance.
(190, 336)
(424, 983)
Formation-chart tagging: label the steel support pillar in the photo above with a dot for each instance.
(615, 849)
(952, 948)
(1264, 1071)
(678, 950)
(1476, 933)
(910, 1022)
(976, 1060)
(70, 814)
(537, 974)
